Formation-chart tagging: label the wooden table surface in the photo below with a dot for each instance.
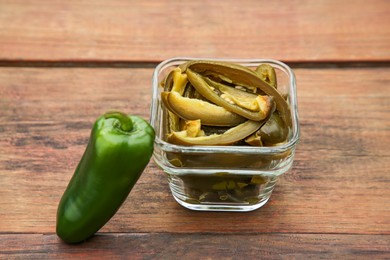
(63, 63)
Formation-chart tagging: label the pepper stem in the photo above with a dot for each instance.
(125, 122)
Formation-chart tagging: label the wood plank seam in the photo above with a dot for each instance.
(153, 64)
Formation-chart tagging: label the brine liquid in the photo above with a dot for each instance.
(222, 191)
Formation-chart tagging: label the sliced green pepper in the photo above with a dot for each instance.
(175, 81)
(243, 99)
(273, 131)
(242, 76)
(118, 151)
(202, 85)
(192, 109)
(231, 136)
(268, 74)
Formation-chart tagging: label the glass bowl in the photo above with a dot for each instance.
(223, 178)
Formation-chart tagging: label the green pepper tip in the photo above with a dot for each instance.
(125, 122)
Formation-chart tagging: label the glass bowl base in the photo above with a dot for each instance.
(222, 192)
(227, 207)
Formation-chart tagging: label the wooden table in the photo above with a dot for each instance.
(63, 63)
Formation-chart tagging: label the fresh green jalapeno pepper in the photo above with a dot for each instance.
(119, 148)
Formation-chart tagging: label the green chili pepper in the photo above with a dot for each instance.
(119, 148)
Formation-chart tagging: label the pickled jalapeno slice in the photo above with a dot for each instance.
(221, 95)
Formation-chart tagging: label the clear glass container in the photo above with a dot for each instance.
(223, 178)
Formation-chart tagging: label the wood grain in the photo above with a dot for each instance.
(199, 246)
(63, 63)
(338, 184)
(299, 30)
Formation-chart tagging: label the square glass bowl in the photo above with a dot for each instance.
(223, 178)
